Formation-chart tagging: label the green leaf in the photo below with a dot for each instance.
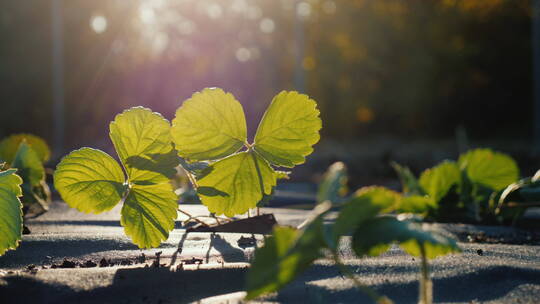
(208, 126)
(367, 203)
(417, 204)
(143, 142)
(438, 180)
(334, 184)
(10, 211)
(90, 180)
(10, 145)
(488, 168)
(288, 130)
(286, 254)
(409, 183)
(375, 236)
(11, 181)
(29, 166)
(235, 184)
(148, 214)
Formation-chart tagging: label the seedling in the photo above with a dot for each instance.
(11, 221)
(28, 153)
(211, 127)
(92, 181)
(459, 191)
(288, 252)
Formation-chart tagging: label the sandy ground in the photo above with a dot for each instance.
(482, 273)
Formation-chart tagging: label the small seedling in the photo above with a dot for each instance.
(518, 197)
(92, 181)
(458, 191)
(28, 153)
(288, 252)
(211, 127)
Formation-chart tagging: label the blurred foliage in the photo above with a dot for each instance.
(411, 68)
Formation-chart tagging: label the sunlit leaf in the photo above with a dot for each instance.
(288, 130)
(10, 211)
(90, 180)
(409, 183)
(143, 142)
(365, 204)
(10, 145)
(28, 165)
(374, 236)
(235, 184)
(9, 180)
(488, 168)
(210, 125)
(148, 214)
(438, 180)
(286, 254)
(334, 185)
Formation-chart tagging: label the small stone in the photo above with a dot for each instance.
(480, 252)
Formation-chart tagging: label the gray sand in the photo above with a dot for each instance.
(499, 274)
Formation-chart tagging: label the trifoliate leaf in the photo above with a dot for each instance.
(438, 180)
(365, 204)
(235, 184)
(90, 180)
(143, 142)
(148, 214)
(10, 145)
(374, 236)
(488, 168)
(29, 166)
(334, 185)
(288, 130)
(208, 126)
(286, 254)
(10, 211)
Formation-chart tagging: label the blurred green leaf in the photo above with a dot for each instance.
(334, 184)
(28, 165)
(488, 168)
(208, 126)
(409, 183)
(438, 180)
(365, 204)
(10, 145)
(286, 254)
(417, 204)
(288, 130)
(374, 237)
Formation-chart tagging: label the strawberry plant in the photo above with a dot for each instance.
(28, 153)
(90, 180)
(459, 191)
(211, 127)
(208, 131)
(289, 251)
(11, 221)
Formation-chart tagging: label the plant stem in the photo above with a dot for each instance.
(368, 291)
(426, 287)
(194, 218)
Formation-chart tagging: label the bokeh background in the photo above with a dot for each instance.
(414, 81)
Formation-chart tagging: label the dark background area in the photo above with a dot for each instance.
(393, 79)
